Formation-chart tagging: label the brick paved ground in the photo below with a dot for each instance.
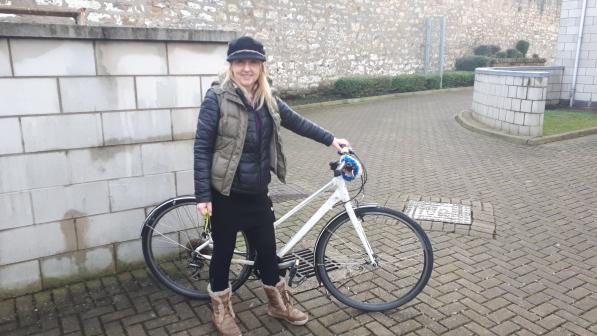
(538, 277)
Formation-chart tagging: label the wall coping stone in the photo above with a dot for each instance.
(515, 73)
(62, 31)
(532, 68)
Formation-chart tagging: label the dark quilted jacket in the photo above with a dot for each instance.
(253, 172)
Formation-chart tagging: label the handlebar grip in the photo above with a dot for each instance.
(345, 150)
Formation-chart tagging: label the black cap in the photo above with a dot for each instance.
(245, 48)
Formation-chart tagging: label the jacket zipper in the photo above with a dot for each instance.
(258, 133)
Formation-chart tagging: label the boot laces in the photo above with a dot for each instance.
(287, 298)
(224, 309)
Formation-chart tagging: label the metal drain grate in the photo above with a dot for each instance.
(306, 267)
(439, 212)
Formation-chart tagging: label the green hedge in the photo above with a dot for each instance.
(458, 79)
(470, 63)
(363, 86)
(408, 83)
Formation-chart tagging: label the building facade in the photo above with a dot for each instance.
(580, 73)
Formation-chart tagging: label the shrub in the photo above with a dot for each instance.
(486, 50)
(361, 86)
(523, 47)
(432, 82)
(470, 63)
(451, 79)
(458, 79)
(513, 53)
(408, 83)
(501, 54)
(535, 55)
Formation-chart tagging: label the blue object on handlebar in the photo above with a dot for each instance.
(354, 164)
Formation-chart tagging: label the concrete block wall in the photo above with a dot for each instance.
(554, 81)
(586, 82)
(94, 132)
(510, 101)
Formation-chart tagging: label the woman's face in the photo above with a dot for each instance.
(246, 72)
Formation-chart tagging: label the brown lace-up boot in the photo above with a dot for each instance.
(223, 315)
(280, 305)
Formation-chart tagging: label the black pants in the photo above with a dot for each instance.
(252, 214)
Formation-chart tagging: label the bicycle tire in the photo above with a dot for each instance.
(167, 249)
(393, 237)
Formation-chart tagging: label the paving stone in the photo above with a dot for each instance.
(136, 330)
(406, 327)
(455, 321)
(249, 320)
(114, 328)
(141, 317)
(505, 328)
(92, 326)
(477, 329)
(117, 315)
(183, 311)
(344, 326)
(528, 325)
(550, 322)
(378, 329)
(183, 325)
(158, 332)
(70, 323)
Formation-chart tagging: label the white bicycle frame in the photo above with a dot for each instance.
(340, 195)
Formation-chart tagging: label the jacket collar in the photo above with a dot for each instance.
(229, 92)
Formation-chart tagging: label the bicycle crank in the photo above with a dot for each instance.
(195, 263)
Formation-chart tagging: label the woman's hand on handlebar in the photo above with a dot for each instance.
(339, 143)
(203, 208)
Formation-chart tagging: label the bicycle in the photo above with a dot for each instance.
(383, 266)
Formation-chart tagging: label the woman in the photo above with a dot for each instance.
(237, 143)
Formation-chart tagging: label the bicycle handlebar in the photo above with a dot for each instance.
(348, 166)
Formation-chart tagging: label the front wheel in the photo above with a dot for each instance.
(171, 233)
(402, 252)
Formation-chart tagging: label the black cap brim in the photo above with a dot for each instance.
(246, 55)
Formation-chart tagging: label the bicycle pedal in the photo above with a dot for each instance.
(195, 275)
(292, 272)
(297, 280)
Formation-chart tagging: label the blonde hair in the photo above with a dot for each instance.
(263, 91)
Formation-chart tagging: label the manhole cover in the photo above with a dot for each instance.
(439, 212)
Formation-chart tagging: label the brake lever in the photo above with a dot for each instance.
(345, 150)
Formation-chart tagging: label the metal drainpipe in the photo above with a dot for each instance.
(577, 58)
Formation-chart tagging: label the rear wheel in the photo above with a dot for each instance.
(169, 237)
(402, 252)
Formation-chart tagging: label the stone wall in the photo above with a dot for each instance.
(586, 82)
(512, 101)
(94, 132)
(310, 41)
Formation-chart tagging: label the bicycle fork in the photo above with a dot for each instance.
(356, 223)
(358, 226)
